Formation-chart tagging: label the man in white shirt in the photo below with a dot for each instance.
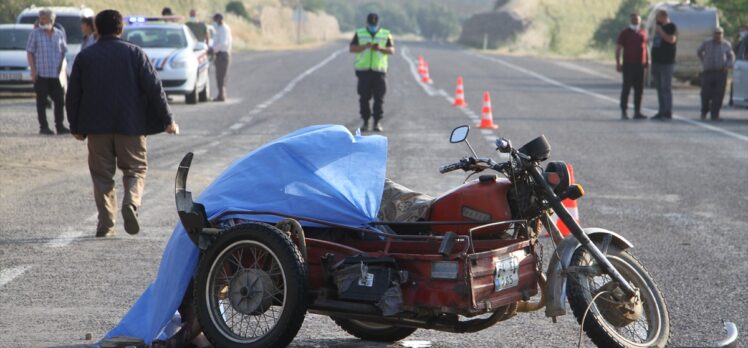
(222, 49)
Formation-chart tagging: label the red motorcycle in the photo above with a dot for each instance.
(475, 260)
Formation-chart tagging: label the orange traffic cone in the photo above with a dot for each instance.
(425, 76)
(421, 69)
(486, 120)
(571, 206)
(459, 93)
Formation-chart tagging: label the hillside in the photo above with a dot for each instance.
(268, 26)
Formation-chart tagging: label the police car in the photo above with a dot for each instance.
(181, 61)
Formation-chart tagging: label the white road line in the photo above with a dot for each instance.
(64, 239)
(8, 274)
(431, 91)
(603, 97)
(236, 126)
(588, 71)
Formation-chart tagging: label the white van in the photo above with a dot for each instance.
(69, 18)
(695, 24)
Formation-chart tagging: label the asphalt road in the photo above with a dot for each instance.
(677, 190)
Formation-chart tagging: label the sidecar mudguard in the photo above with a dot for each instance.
(556, 287)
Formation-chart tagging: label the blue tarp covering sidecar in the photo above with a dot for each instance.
(323, 172)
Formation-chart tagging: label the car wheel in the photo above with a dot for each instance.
(191, 98)
(205, 93)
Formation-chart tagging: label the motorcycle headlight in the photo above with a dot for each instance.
(179, 63)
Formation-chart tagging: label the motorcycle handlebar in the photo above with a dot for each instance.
(450, 167)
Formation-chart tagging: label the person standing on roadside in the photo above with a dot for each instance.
(89, 34)
(222, 50)
(198, 28)
(717, 58)
(115, 114)
(742, 42)
(373, 46)
(632, 41)
(663, 62)
(45, 51)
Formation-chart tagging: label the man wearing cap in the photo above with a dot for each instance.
(222, 49)
(717, 58)
(372, 46)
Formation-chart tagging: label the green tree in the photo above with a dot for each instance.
(9, 9)
(314, 5)
(732, 14)
(437, 22)
(237, 8)
(606, 33)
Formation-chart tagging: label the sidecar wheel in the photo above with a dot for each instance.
(604, 323)
(373, 331)
(250, 288)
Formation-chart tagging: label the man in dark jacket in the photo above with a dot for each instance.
(115, 99)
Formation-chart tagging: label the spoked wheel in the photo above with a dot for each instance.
(373, 331)
(250, 288)
(610, 323)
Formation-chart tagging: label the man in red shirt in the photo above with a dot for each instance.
(633, 42)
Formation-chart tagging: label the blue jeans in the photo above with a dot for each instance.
(662, 75)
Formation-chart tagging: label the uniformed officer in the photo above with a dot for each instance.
(372, 46)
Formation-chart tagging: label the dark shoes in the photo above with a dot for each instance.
(624, 115)
(365, 126)
(639, 116)
(662, 117)
(62, 130)
(46, 131)
(377, 127)
(703, 116)
(130, 215)
(105, 233)
(219, 99)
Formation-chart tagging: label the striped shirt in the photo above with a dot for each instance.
(48, 51)
(716, 56)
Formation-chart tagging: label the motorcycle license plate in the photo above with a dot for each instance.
(10, 76)
(507, 273)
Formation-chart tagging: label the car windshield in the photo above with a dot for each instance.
(14, 39)
(156, 37)
(71, 24)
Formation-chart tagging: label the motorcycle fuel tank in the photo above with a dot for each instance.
(483, 200)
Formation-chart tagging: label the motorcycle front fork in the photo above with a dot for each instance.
(580, 235)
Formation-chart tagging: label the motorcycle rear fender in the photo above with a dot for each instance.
(556, 288)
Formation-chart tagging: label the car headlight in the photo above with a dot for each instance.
(179, 63)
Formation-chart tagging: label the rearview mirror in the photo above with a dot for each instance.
(459, 134)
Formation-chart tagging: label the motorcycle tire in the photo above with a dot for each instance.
(251, 287)
(373, 331)
(605, 328)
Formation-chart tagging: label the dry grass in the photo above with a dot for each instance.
(276, 32)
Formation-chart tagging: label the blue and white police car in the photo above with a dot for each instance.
(181, 61)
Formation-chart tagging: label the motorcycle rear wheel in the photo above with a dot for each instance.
(605, 327)
(250, 288)
(373, 331)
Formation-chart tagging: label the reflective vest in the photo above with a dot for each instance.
(369, 59)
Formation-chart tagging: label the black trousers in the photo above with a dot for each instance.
(371, 84)
(713, 85)
(49, 87)
(633, 76)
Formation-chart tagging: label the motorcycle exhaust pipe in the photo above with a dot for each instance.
(525, 306)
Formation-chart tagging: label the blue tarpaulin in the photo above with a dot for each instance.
(322, 172)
